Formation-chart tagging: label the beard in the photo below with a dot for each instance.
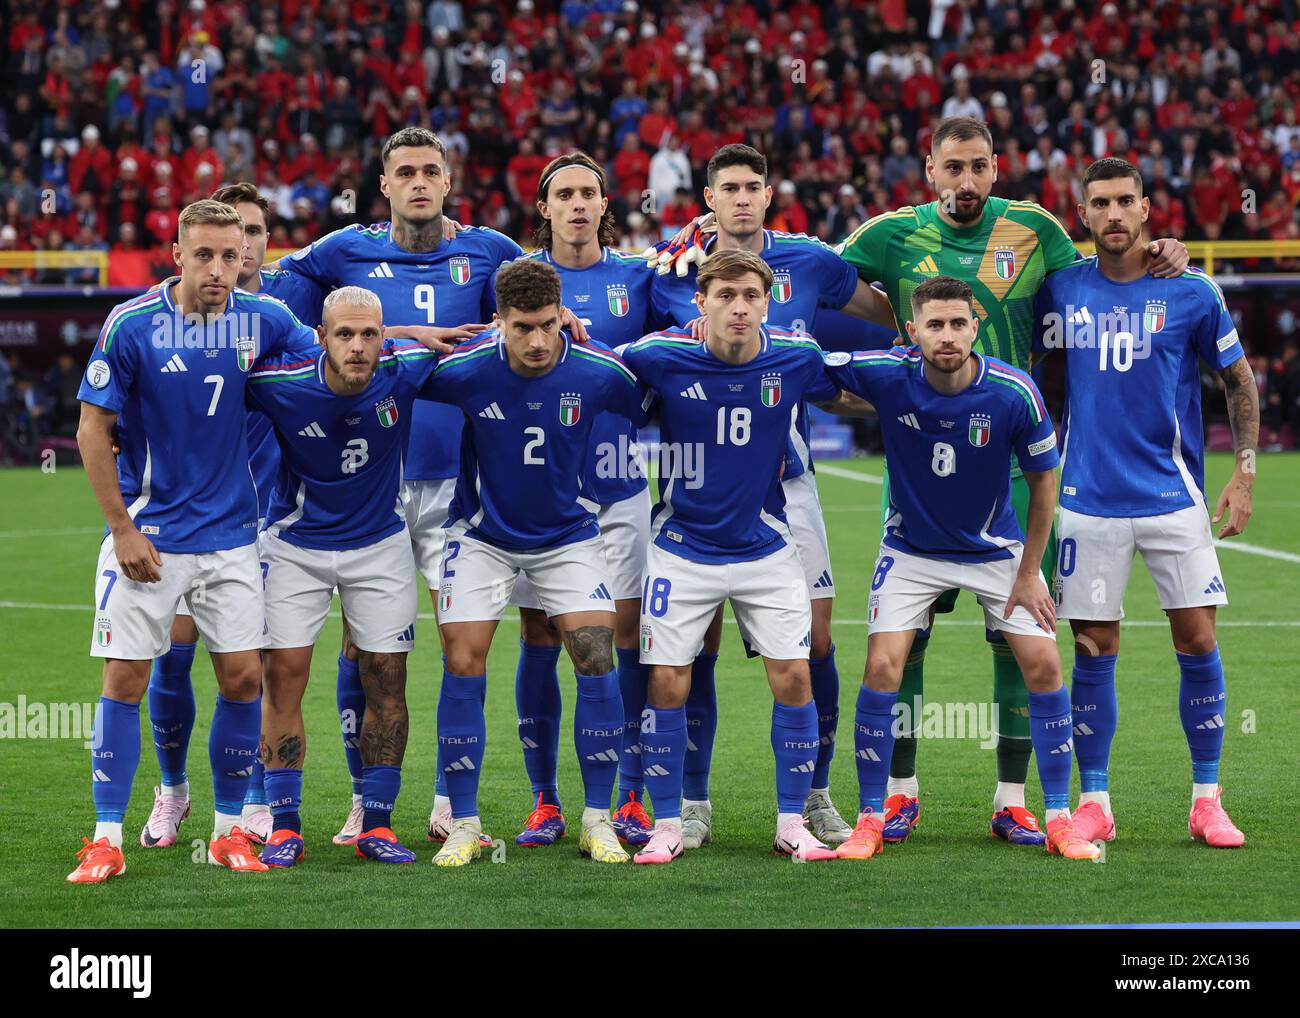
(1117, 247)
(350, 382)
(968, 214)
(945, 370)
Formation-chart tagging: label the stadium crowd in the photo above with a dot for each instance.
(115, 114)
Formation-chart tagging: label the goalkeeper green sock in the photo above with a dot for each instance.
(902, 768)
(1009, 693)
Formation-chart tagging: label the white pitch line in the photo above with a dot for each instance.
(1233, 544)
(428, 616)
(852, 475)
(55, 532)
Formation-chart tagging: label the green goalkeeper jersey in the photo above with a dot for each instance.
(1005, 259)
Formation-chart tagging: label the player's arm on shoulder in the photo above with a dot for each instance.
(1243, 416)
(135, 553)
(434, 337)
(1029, 589)
(870, 304)
(846, 404)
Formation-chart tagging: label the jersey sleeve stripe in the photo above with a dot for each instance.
(1201, 277)
(609, 360)
(1025, 389)
(904, 213)
(132, 307)
(461, 356)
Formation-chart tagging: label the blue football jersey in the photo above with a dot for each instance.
(340, 456)
(303, 298)
(950, 455)
(724, 430)
(177, 387)
(612, 299)
(447, 286)
(1132, 440)
(809, 276)
(525, 442)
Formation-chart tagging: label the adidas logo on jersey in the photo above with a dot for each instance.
(174, 364)
(407, 634)
(926, 264)
(824, 581)
(1212, 724)
(1216, 587)
(492, 413)
(696, 391)
(381, 271)
(910, 420)
(313, 430)
(601, 593)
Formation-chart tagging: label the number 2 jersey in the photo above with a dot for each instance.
(340, 455)
(177, 387)
(724, 431)
(448, 286)
(525, 443)
(1132, 434)
(950, 455)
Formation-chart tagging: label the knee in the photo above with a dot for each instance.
(242, 684)
(592, 650)
(667, 688)
(1042, 672)
(792, 684)
(536, 628)
(1200, 642)
(883, 673)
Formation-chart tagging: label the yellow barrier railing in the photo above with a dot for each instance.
(1206, 252)
(97, 260)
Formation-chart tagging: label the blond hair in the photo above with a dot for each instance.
(207, 212)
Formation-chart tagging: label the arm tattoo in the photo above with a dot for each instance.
(591, 648)
(384, 730)
(1243, 405)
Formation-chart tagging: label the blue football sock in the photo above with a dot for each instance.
(794, 743)
(663, 750)
(1050, 729)
(462, 732)
(598, 735)
(380, 784)
(826, 694)
(537, 702)
(232, 749)
(1096, 714)
(171, 710)
(1202, 700)
(351, 700)
(256, 794)
(114, 757)
(873, 746)
(632, 678)
(284, 790)
(701, 727)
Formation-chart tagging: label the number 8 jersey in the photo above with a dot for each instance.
(950, 455)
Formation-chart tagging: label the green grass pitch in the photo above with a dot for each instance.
(949, 873)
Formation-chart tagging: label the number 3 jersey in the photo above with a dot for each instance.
(524, 446)
(340, 456)
(723, 436)
(950, 455)
(1132, 442)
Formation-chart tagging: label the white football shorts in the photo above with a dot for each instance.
(478, 579)
(1095, 556)
(221, 589)
(426, 504)
(376, 584)
(624, 533)
(903, 587)
(769, 597)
